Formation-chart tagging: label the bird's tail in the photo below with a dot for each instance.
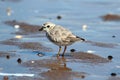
(81, 39)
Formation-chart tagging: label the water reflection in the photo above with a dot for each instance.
(61, 64)
(60, 71)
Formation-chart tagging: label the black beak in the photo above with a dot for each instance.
(41, 29)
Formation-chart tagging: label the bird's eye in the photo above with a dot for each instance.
(48, 26)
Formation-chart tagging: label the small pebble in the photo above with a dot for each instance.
(113, 36)
(8, 56)
(82, 76)
(72, 50)
(59, 17)
(110, 57)
(19, 60)
(113, 74)
(5, 78)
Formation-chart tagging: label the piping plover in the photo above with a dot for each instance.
(59, 35)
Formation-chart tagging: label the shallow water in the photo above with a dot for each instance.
(74, 14)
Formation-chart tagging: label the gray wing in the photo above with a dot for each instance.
(64, 35)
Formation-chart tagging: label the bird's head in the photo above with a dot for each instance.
(47, 26)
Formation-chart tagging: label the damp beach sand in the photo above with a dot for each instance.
(26, 53)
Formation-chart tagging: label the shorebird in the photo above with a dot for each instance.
(59, 36)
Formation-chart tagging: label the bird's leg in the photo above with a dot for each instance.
(64, 50)
(60, 48)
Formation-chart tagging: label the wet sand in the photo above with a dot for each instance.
(10, 0)
(26, 45)
(111, 17)
(25, 28)
(54, 68)
(24, 49)
(57, 69)
(102, 44)
(7, 54)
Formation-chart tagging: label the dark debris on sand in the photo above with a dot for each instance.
(111, 17)
(25, 28)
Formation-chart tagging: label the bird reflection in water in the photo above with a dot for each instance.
(60, 65)
(58, 70)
